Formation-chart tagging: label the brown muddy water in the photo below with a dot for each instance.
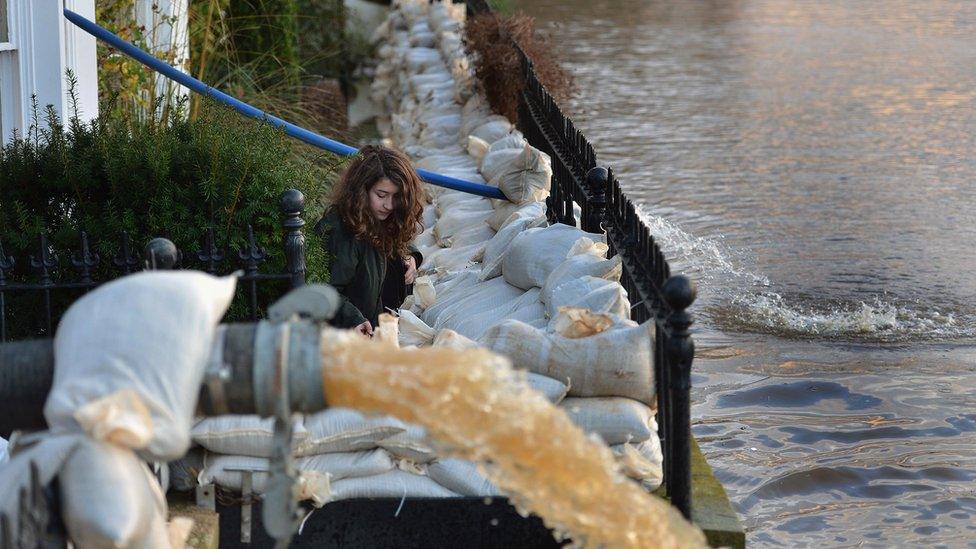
(813, 166)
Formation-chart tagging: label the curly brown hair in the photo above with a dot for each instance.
(350, 199)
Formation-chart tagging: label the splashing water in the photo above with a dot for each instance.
(477, 405)
(749, 305)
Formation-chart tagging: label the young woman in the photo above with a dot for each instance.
(375, 213)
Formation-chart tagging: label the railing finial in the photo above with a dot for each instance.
(161, 255)
(292, 204)
(679, 293)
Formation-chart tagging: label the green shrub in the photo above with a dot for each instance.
(172, 179)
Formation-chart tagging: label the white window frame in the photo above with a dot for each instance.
(43, 45)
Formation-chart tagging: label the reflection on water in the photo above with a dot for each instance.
(813, 165)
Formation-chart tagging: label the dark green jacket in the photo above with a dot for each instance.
(357, 270)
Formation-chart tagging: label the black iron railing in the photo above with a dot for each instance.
(56, 292)
(578, 181)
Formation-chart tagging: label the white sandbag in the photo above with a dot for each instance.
(453, 340)
(523, 175)
(643, 461)
(424, 292)
(514, 140)
(477, 233)
(411, 444)
(579, 266)
(461, 217)
(4, 455)
(242, 435)
(507, 212)
(426, 243)
(418, 59)
(553, 389)
(395, 484)
(130, 358)
(526, 307)
(461, 476)
(455, 258)
(617, 420)
(475, 300)
(430, 216)
(477, 148)
(575, 323)
(388, 330)
(229, 471)
(348, 464)
(535, 253)
(344, 430)
(109, 498)
(47, 452)
(493, 129)
(495, 249)
(595, 294)
(414, 331)
(452, 200)
(616, 362)
(441, 162)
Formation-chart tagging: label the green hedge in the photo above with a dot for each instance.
(173, 180)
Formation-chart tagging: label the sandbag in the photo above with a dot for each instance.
(461, 476)
(455, 258)
(413, 331)
(508, 212)
(574, 323)
(453, 340)
(613, 363)
(579, 266)
(348, 464)
(475, 300)
(228, 472)
(643, 461)
(423, 290)
(553, 389)
(617, 420)
(595, 294)
(411, 444)
(495, 249)
(110, 499)
(514, 140)
(523, 175)
(344, 430)
(395, 484)
(494, 128)
(388, 330)
(535, 253)
(477, 148)
(477, 233)
(430, 216)
(130, 359)
(242, 435)
(461, 217)
(526, 308)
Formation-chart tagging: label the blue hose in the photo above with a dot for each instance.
(297, 132)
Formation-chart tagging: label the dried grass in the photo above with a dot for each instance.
(491, 38)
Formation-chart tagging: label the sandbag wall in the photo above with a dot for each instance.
(495, 274)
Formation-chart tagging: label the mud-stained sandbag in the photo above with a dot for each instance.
(579, 266)
(344, 430)
(414, 331)
(455, 258)
(388, 330)
(595, 294)
(575, 323)
(477, 148)
(110, 498)
(395, 484)
(461, 476)
(242, 435)
(229, 471)
(495, 249)
(613, 363)
(617, 420)
(535, 253)
(523, 175)
(130, 359)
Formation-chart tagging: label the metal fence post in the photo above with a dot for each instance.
(679, 292)
(292, 203)
(161, 255)
(596, 205)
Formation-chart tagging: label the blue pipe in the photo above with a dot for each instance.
(297, 132)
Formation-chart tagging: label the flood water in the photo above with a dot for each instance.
(813, 166)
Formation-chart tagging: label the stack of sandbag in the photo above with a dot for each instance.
(339, 454)
(493, 264)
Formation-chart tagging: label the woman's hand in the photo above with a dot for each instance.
(365, 328)
(410, 263)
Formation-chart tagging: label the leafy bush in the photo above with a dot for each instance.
(172, 179)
